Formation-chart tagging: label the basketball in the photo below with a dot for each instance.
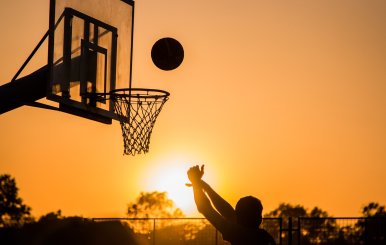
(167, 54)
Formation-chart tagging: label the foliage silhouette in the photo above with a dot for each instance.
(12, 210)
(169, 228)
(374, 209)
(372, 229)
(18, 227)
(154, 205)
(317, 229)
(54, 229)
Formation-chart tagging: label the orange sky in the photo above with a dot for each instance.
(283, 100)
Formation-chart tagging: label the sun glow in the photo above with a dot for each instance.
(171, 177)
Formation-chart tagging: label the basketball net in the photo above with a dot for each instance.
(137, 111)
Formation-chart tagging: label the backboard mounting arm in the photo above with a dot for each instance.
(30, 56)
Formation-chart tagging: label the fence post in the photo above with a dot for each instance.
(299, 231)
(289, 230)
(366, 232)
(153, 231)
(280, 230)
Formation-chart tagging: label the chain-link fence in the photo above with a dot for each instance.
(183, 231)
(286, 231)
(334, 231)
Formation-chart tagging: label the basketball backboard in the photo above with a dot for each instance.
(90, 53)
(89, 70)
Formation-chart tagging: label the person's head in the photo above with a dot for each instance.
(249, 212)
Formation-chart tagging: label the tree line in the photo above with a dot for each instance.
(18, 226)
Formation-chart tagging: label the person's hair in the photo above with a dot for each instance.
(249, 212)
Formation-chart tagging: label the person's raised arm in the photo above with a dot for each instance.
(203, 203)
(221, 205)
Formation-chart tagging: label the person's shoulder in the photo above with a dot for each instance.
(265, 237)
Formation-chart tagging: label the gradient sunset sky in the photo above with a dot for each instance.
(284, 100)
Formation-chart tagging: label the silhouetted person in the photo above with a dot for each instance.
(239, 226)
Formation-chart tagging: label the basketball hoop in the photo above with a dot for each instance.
(137, 110)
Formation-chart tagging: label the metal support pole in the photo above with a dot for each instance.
(299, 231)
(290, 231)
(30, 56)
(24, 90)
(280, 230)
(154, 231)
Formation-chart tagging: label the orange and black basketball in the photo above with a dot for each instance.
(167, 54)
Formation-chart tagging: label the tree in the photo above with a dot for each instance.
(373, 209)
(146, 211)
(315, 226)
(372, 229)
(12, 210)
(151, 205)
(56, 229)
(51, 216)
(154, 205)
(286, 210)
(320, 228)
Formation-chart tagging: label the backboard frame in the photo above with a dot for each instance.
(84, 106)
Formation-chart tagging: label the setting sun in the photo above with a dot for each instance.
(171, 177)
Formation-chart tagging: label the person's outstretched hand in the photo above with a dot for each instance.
(195, 174)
